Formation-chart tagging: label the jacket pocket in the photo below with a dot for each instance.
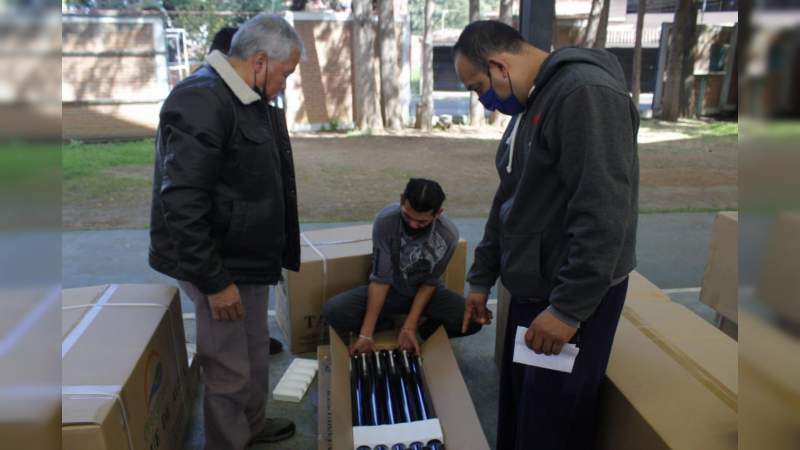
(254, 148)
(236, 227)
(520, 263)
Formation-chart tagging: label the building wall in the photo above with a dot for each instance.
(320, 92)
(113, 76)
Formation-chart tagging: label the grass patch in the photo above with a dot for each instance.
(719, 129)
(83, 160)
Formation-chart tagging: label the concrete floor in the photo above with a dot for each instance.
(672, 251)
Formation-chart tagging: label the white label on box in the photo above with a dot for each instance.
(562, 362)
(401, 433)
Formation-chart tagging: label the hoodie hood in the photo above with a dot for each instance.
(573, 55)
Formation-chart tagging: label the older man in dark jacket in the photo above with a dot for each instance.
(224, 219)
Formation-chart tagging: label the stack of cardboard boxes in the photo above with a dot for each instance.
(126, 382)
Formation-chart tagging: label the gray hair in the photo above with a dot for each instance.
(266, 33)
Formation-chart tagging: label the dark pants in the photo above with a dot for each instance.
(541, 409)
(234, 356)
(345, 312)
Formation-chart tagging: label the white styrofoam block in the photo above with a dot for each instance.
(406, 433)
(295, 381)
(288, 394)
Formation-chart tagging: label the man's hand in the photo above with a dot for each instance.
(226, 304)
(362, 345)
(475, 310)
(548, 334)
(407, 340)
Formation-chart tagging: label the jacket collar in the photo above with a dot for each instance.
(243, 92)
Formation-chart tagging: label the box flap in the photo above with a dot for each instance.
(779, 284)
(451, 399)
(336, 242)
(79, 409)
(641, 288)
(684, 405)
(720, 289)
(340, 402)
(701, 347)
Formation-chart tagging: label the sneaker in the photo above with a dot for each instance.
(275, 346)
(275, 430)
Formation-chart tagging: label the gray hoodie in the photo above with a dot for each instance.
(562, 227)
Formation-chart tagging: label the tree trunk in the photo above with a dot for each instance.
(590, 32)
(636, 77)
(672, 85)
(390, 91)
(602, 25)
(366, 106)
(425, 105)
(507, 17)
(507, 12)
(475, 107)
(687, 66)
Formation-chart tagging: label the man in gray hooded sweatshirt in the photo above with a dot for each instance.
(561, 233)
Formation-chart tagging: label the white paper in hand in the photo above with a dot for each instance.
(562, 362)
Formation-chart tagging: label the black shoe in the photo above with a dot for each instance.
(275, 346)
(275, 430)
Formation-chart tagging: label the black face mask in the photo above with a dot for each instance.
(413, 232)
(261, 90)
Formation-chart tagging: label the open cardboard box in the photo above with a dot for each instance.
(334, 260)
(449, 395)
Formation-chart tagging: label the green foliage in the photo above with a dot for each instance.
(454, 12)
(83, 160)
(201, 19)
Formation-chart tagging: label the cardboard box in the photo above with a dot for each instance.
(769, 374)
(334, 260)
(671, 382)
(449, 395)
(30, 392)
(720, 288)
(780, 283)
(192, 378)
(639, 288)
(124, 368)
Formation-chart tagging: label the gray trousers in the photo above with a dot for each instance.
(345, 312)
(234, 356)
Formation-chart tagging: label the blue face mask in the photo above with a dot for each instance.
(509, 105)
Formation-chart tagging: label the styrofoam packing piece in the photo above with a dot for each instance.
(295, 381)
(288, 395)
(405, 433)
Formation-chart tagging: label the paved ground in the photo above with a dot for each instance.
(672, 252)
